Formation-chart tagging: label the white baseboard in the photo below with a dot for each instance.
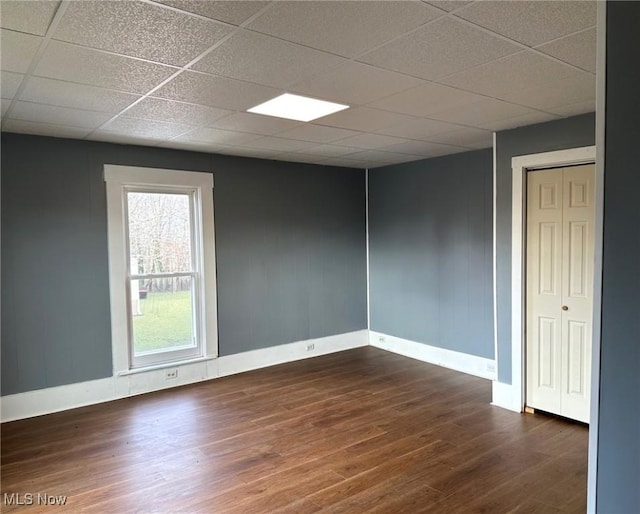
(55, 399)
(471, 364)
(506, 396)
(254, 359)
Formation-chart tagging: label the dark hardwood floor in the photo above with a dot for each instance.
(358, 431)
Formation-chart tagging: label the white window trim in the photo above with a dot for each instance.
(117, 178)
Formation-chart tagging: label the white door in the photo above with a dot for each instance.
(560, 254)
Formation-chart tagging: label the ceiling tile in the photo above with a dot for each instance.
(243, 151)
(218, 136)
(355, 83)
(510, 74)
(176, 112)
(424, 148)
(575, 109)
(425, 99)
(280, 144)
(327, 151)
(194, 146)
(41, 113)
(523, 120)
(344, 162)
(317, 133)
(531, 21)
(370, 141)
(144, 128)
(229, 11)
(31, 16)
(306, 158)
(558, 94)
(4, 104)
(362, 118)
(448, 5)
(85, 66)
(481, 112)
(17, 50)
(43, 129)
(418, 128)
(77, 96)
(265, 60)
(470, 137)
(439, 49)
(256, 123)
(199, 88)
(577, 49)
(139, 29)
(9, 83)
(112, 137)
(330, 26)
(384, 157)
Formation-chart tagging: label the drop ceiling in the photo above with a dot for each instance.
(423, 79)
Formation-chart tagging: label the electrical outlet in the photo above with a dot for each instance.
(491, 367)
(382, 339)
(311, 347)
(173, 373)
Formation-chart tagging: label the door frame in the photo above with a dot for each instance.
(519, 166)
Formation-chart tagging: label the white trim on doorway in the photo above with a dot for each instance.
(512, 396)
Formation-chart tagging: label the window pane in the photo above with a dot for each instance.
(162, 314)
(159, 233)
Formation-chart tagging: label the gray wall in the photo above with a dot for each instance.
(430, 241)
(545, 137)
(618, 477)
(290, 242)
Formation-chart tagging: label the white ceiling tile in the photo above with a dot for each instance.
(218, 136)
(4, 104)
(266, 60)
(384, 157)
(558, 94)
(199, 88)
(31, 16)
(9, 83)
(448, 5)
(41, 113)
(317, 133)
(77, 96)
(575, 109)
(243, 151)
(194, 146)
(425, 99)
(423, 148)
(483, 111)
(125, 126)
(523, 120)
(139, 29)
(343, 28)
(439, 49)
(256, 123)
(280, 144)
(470, 137)
(176, 112)
(85, 66)
(344, 162)
(511, 74)
(17, 50)
(355, 83)
(43, 129)
(112, 137)
(578, 49)
(229, 11)
(305, 158)
(418, 128)
(362, 118)
(370, 141)
(531, 21)
(327, 150)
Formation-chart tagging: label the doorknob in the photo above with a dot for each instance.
(565, 308)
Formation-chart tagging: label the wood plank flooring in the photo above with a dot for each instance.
(357, 431)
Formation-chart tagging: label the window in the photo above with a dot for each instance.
(161, 266)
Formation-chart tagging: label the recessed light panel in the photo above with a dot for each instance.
(295, 107)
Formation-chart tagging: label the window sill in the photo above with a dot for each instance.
(164, 365)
